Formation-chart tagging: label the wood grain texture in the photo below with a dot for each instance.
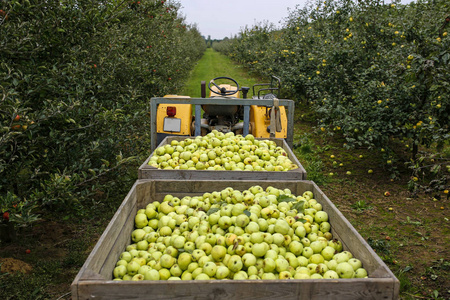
(94, 281)
(348, 289)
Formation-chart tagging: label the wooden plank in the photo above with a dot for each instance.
(94, 278)
(124, 238)
(148, 172)
(243, 289)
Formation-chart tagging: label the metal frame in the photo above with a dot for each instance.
(198, 102)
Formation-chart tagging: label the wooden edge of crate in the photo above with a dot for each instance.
(218, 175)
(311, 289)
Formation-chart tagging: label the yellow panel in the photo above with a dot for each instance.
(184, 112)
(260, 120)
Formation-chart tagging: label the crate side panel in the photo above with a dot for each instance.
(123, 239)
(245, 289)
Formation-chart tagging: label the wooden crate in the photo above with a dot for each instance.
(148, 172)
(94, 281)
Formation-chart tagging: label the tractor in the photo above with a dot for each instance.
(228, 109)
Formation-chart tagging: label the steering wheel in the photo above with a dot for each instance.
(223, 91)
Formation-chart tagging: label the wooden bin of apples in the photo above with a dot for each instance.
(252, 239)
(222, 157)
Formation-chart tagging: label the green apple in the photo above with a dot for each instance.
(316, 259)
(222, 272)
(235, 263)
(260, 249)
(142, 245)
(269, 276)
(355, 263)
(330, 274)
(242, 220)
(138, 235)
(285, 275)
(345, 270)
(140, 220)
(332, 264)
(281, 226)
(164, 274)
(151, 274)
(248, 259)
(120, 271)
(224, 222)
(296, 248)
(126, 256)
(271, 254)
(197, 254)
(133, 268)
(210, 269)
(307, 252)
(183, 260)
(328, 252)
(252, 227)
(321, 216)
(167, 261)
(282, 264)
(269, 265)
(360, 273)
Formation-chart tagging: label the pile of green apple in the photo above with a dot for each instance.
(222, 151)
(253, 234)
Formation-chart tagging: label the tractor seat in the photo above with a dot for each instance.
(221, 110)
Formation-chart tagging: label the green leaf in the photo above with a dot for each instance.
(212, 210)
(247, 213)
(299, 206)
(285, 198)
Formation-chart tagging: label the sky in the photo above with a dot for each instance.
(220, 19)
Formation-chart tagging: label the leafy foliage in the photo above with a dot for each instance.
(374, 72)
(76, 79)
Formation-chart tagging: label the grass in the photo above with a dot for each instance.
(212, 65)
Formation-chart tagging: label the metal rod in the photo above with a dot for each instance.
(246, 119)
(198, 111)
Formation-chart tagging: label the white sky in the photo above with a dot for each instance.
(226, 18)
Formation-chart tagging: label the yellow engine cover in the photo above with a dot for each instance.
(260, 120)
(184, 112)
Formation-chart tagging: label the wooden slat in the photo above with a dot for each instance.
(123, 238)
(347, 289)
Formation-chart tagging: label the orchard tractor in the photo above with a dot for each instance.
(228, 109)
